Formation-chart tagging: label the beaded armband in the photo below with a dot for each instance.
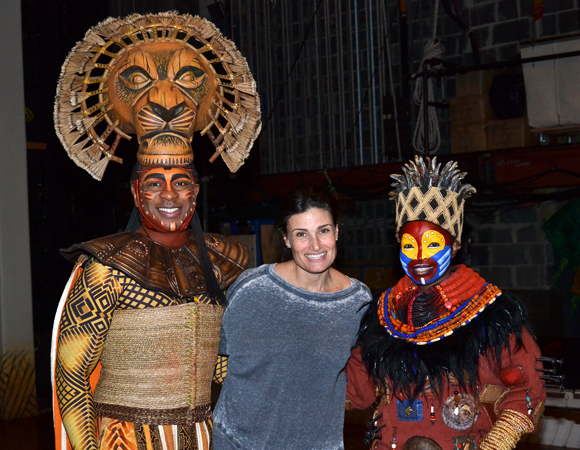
(507, 431)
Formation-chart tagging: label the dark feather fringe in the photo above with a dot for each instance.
(408, 366)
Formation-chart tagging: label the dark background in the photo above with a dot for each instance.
(67, 206)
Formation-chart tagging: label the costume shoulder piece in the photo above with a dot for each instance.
(156, 267)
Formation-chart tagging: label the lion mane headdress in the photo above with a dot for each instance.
(162, 77)
(425, 192)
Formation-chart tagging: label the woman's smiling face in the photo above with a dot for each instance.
(426, 251)
(312, 236)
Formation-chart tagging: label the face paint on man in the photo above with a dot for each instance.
(165, 198)
(426, 251)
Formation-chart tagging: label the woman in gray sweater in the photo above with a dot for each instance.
(287, 332)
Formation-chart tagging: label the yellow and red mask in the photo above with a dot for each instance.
(165, 198)
(425, 251)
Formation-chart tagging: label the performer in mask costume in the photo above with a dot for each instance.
(449, 358)
(137, 330)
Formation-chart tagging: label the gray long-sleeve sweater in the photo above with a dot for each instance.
(287, 347)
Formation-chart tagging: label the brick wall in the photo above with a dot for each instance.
(510, 249)
(498, 26)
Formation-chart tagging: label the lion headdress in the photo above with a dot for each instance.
(161, 77)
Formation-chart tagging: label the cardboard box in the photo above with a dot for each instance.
(249, 240)
(512, 133)
(469, 110)
(473, 83)
(468, 138)
(272, 250)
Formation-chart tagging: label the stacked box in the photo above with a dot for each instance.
(470, 110)
(473, 125)
(469, 118)
(512, 133)
(468, 138)
(473, 83)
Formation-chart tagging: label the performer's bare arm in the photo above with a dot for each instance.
(83, 328)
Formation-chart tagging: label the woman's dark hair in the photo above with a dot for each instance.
(214, 290)
(301, 200)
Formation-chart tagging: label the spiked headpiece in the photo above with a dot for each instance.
(162, 77)
(425, 192)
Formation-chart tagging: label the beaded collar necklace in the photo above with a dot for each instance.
(464, 294)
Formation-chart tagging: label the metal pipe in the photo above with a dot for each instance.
(452, 69)
(287, 19)
(372, 109)
(405, 80)
(425, 101)
(269, 63)
(382, 31)
(302, 68)
(352, 89)
(341, 82)
(359, 106)
(329, 88)
(393, 96)
(318, 92)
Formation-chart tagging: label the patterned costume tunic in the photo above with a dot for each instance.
(158, 347)
(450, 379)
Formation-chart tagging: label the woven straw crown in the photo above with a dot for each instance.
(425, 191)
(439, 206)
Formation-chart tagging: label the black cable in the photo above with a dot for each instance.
(474, 48)
(214, 290)
(351, 131)
(296, 58)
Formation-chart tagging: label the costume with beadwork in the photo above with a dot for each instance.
(451, 366)
(137, 329)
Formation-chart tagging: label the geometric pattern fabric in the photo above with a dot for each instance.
(431, 204)
(118, 435)
(85, 320)
(221, 369)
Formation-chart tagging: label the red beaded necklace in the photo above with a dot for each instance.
(464, 291)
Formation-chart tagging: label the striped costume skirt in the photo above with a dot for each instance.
(120, 435)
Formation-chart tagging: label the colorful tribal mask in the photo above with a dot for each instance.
(425, 251)
(426, 193)
(165, 198)
(161, 77)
